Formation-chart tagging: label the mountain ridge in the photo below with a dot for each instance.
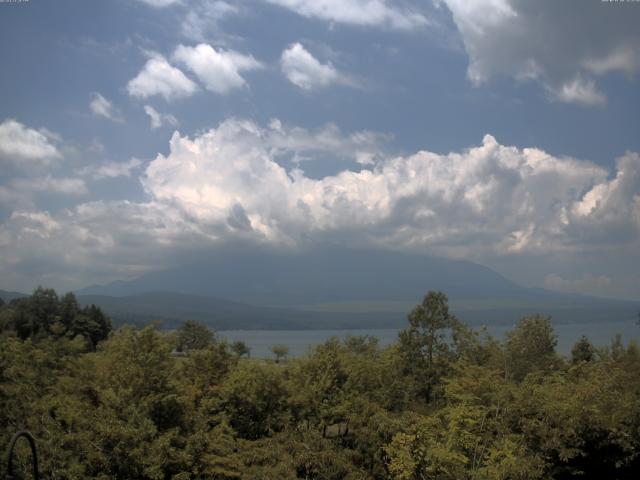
(344, 286)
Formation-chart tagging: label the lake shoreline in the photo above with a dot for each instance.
(300, 342)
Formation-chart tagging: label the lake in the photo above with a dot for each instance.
(301, 341)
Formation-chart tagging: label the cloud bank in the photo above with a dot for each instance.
(563, 45)
(229, 183)
(492, 198)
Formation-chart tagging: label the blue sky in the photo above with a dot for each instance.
(505, 132)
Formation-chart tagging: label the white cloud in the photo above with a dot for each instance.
(611, 208)
(218, 69)
(158, 77)
(380, 13)
(489, 200)
(305, 71)
(20, 145)
(102, 107)
(229, 183)
(58, 185)
(27, 158)
(364, 147)
(39, 223)
(623, 59)
(159, 119)
(202, 20)
(95, 241)
(579, 91)
(111, 169)
(561, 45)
(160, 3)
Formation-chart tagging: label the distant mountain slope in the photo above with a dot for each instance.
(171, 309)
(322, 275)
(332, 287)
(7, 296)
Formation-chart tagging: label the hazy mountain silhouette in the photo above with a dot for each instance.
(328, 274)
(236, 289)
(7, 296)
(171, 309)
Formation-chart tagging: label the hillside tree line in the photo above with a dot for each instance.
(444, 402)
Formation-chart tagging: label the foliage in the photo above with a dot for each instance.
(193, 336)
(444, 402)
(425, 345)
(240, 348)
(583, 351)
(43, 315)
(280, 352)
(531, 347)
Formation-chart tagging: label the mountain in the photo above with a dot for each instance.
(328, 274)
(7, 296)
(171, 309)
(331, 286)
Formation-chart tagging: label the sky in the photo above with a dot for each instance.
(137, 134)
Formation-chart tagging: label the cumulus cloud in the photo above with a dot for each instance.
(365, 147)
(111, 169)
(49, 184)
(160, 3)
(38, 223)
(95, 241)
(219, 70)
(159, 119)
(27, 157)
(102, 107)
(561, 45)
(158, 77)
(369, 13)
(491, 199)
(305, 71)
(229, 183)
(611, 208)
(21, 145)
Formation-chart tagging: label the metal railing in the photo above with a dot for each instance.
(34, 454)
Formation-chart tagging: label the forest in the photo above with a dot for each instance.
(445, 401)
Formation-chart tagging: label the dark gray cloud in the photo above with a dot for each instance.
(563, 45)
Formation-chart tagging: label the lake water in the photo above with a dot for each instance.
(301, 341)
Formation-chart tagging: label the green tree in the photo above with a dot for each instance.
(254, 398)
(317, 385)
(240, 349)
(193, 336)
(583, 351)
(280, 352)
(43, 314)
(92, 324)
(425, 344)
(531, 347)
